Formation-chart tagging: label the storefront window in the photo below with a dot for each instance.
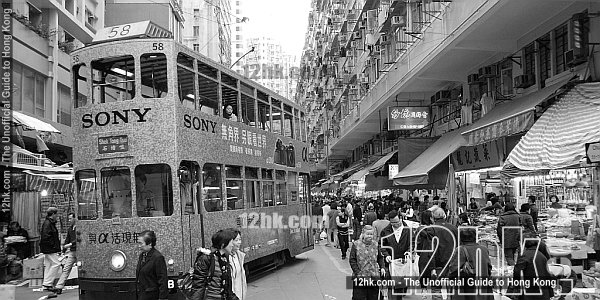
(211, 187)
(154, 194)
(87, 203)
(116, 192)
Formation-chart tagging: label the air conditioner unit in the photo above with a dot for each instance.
(443, 96)
(377, 48)
(488, 71)
(354, 87)
(362, 24)
(523, 81)
(364, 79)
(384, 39)
(357, 35)
(473, 79)
(397, 20)
(353, 44)
(574, 57)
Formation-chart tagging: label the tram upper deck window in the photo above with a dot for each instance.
(87, 203)
(113, 79)
(189, 187)
(234, 187)
(116, 192)
(264, 122)
(81, 73)
(208, 94)
(153, 68)
(185, 81)
(211, 187)
(207, 70)
(276, 116)
(288, 126)
(153, 189)
(229, 97)
(229, 80)
(302, 127)
(248, 110)
(296, 124)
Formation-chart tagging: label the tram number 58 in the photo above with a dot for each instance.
(122, 32)
(157, 46)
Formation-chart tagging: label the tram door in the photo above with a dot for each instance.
(191, 213)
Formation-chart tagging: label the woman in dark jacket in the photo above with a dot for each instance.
(512, 240)
(533, 265)
(366, 262)
(212, 267)
(469, 251)
(424, 240)
(526, 219)
(151, 271)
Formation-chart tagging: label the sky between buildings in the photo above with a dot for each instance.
(282, 20)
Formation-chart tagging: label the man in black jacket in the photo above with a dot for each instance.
(510, 237)
(70, 248)
(50, 247)
(151, 273)
(395, 241)
(356, 227)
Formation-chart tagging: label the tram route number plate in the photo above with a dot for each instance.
(113, 144)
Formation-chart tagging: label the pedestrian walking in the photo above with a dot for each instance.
(526, 219)
(509, 237)
(479, 258)
(356, 226)
(326, 208)
(212, 268)
(151, 272)
(370, 216)
(366, 261)
(447, 235)
(70, 249)
(317, 214)
(343, 223)
(50, 247)
(396, 240)
(380, 224)
(332, 216)
(236, 262)
(533, 211)
(425, 235)
(532, 266)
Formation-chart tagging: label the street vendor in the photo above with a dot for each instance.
(554, 199)
(19, 244)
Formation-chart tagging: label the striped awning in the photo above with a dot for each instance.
(557, 140)
(32, 123)
(340, 175)
(357, 176)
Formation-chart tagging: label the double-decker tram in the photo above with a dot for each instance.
(170, 141)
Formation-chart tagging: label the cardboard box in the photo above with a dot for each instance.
(33, 267)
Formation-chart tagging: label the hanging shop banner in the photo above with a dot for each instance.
(486, 155)
(403, 118)
(393, 170)
(510, 126)
(592, 151)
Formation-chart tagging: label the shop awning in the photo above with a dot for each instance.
(379, 164)
(511, 117)
(340, 175)
(32, 123)
(557, 140)
(417, 172)
(358, 175)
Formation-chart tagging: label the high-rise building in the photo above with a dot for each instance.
(270, 66)
(44, 33)
(208, 28)
(238, 45)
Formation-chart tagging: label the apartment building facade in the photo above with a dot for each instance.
(362, 57)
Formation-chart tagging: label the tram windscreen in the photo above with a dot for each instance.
(87, 203)
(154, 195)
(113, 79)
(116, 192)
(211, 187)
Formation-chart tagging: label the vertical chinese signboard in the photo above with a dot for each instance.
(486, 155)
(393, 170)
(407, 118)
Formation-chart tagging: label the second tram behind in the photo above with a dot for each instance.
(170, 141)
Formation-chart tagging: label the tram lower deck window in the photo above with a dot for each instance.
(153, 189)
(211, 187)
(87, 203)
(113, 79)
(116, 192)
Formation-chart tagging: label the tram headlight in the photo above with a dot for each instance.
(118, 261)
